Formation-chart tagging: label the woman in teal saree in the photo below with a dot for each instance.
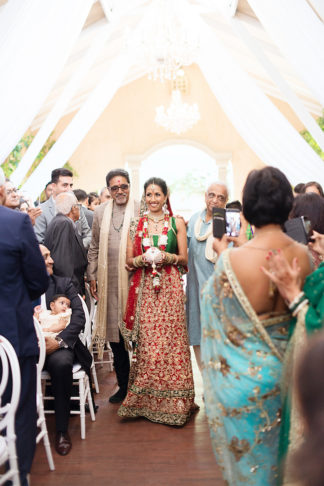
(245, 329)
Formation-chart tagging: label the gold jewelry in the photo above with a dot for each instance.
(156, 220)
(169, 258)
(138, 261)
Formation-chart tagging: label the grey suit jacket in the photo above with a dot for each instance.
(48, 213)
(89, 215)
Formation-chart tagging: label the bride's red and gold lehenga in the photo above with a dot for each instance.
(161, 383)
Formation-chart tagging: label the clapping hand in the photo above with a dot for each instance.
(317, 243)
(286, 277)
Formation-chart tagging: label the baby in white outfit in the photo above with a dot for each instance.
(55, 320)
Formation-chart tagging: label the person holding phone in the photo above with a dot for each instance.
(245, 328)
(201, 258)
(309, 208)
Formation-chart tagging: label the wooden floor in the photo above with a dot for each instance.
(137, 452)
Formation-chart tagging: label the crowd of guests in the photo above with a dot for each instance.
(250, 301)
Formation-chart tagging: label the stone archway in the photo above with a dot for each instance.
(186, 166)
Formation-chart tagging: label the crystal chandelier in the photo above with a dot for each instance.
(179, 116)
(165, 41)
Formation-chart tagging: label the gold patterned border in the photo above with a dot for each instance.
(162, 393)
(158, 417)
(248, 308)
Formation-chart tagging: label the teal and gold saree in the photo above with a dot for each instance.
(242, 358)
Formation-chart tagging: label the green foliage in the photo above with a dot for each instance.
(191, 183)
(309, 139)
(14, 158)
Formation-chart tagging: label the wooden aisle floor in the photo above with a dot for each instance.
(118, 452)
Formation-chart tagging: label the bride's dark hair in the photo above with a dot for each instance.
(159, 182)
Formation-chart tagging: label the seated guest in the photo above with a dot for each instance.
(245, 329)
(82, 198)
(62, 351)
(313, 186)
(65, 243)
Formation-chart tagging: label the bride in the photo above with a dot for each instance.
(161, 384)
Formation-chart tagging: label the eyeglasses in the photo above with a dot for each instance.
(10, 191)
(123, 187)
(219, 197)
(78, 205)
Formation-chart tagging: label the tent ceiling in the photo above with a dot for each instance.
(97, 20)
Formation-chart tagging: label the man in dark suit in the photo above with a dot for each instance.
(62, 181)
(64, 241)
(62, 352)
(23, 278)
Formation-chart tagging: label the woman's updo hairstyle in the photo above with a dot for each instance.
(158, 182)
(267, 197)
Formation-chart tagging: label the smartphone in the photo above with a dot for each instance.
(219, 222)
(226, 221)
(299, 229)
(233, 222)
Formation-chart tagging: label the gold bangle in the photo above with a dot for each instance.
(138, 261)
(169, 258)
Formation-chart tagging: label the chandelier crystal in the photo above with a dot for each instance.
(166, 42)
(179, 117)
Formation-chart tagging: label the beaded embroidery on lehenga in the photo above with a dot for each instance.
(161, 383)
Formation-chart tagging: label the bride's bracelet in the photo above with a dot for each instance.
(170, 258)
(138, 261)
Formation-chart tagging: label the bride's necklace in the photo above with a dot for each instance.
(156, 220)
(162, 244)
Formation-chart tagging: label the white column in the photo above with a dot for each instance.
(134, 164)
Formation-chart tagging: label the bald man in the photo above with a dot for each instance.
(202, 258)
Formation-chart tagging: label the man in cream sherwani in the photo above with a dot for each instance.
(107, 274)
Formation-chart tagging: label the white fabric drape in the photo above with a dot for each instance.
(90, 111)
(80, 125)
(257, 120)
(291, 98)
(58, 110)
(318, 6)
(36, 37)
(299, 34)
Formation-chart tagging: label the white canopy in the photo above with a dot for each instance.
(55, 61)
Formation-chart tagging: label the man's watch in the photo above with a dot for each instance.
(61, 343)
